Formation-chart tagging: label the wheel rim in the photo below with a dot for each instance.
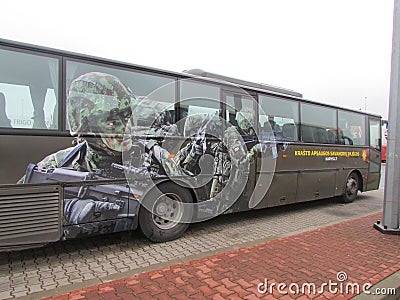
(352, 186)
(167, 211)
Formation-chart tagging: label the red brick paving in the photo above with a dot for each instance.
(353, 247)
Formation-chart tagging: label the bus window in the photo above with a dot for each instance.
(198, 98)
(351, 129)
(318, 124)
(234, 104)
(143, 85)
(374, 134)
(28, 91)
(278, 118)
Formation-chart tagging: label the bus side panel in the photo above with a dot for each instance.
(341, 177)
(316, 184)
(277, 194)
(20, 150)
(282, 188)
(317, 171)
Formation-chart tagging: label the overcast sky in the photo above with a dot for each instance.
(332, 51)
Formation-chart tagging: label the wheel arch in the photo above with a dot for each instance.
(360, 179)
(178, 182)
(149, 228)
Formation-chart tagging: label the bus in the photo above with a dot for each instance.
(232, 145)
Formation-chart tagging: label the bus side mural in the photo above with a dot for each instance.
(127, 145)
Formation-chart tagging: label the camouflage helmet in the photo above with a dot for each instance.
(99, 105)
(150, 113)
(245, 118)
(207, 123)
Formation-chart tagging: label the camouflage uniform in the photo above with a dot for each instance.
(188, 157)
(99, 107)
(231, 156)
(151, 131)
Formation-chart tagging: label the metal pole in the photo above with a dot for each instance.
(391, 205)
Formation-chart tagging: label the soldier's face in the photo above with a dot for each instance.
(113, 131)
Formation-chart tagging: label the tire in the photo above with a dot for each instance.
(164, 214)
(352, 185)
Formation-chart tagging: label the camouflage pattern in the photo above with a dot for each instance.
(98, 108)
(234, 142)
(100, 105)
(231, 157)
(222, 168)
(152, 114)
(187, 158)
(235, 146)
(151, 127)
(94, 159)
(198, 128)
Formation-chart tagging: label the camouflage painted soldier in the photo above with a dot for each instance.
(239, 155)
(231, 157)
(99, 108)
(151, 131)
(197, 127)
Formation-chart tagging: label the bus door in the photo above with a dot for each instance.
(277, 168)
(234, 102)
(375, 141)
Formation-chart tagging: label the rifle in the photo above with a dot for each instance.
(201, 132)
(89, 196)
(192, 153)
(136, 173)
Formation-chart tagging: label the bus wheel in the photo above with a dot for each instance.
(166, 212)
(351, 188)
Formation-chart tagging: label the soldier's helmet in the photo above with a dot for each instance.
(245, 119)
(99, 107)
(154, 114)
(206, 123)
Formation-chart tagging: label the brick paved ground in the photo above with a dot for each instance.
(94, 260)
(317, 256)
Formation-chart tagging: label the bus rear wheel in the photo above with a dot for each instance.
(352, 186)
(166, 212)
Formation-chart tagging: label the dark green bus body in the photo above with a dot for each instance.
(310, 163)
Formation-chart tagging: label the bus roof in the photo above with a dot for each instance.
(245, 83)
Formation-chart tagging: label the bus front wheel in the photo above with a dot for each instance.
(166, 212)
(352, 186)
